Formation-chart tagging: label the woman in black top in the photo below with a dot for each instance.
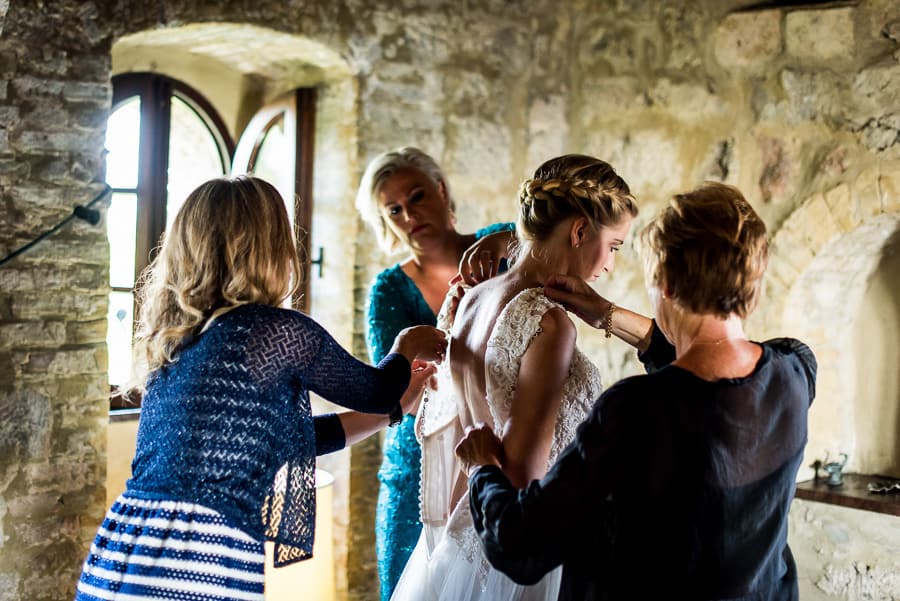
(678, 485)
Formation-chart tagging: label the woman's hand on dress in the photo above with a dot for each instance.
(480, 446)
(422, 376)
(451, 302)
(578, 297)
(425, 343)
(481, 261)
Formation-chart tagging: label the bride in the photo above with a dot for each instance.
(513, 364)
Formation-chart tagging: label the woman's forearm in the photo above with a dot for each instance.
(598, 312)
(633, 328)
(359, 426)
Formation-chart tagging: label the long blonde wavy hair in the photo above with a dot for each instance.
(231, 244)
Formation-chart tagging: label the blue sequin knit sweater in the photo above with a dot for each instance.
(219, 422)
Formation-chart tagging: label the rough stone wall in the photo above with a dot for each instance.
(54, 98)
(842, 553)
(788, 104)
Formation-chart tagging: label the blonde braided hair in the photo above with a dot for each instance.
(572, 186)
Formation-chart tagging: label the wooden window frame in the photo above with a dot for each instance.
(155, 92)
(303, 190)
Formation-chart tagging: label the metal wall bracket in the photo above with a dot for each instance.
(319, 261)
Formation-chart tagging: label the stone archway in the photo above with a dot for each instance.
(239, 67)
(822, 262)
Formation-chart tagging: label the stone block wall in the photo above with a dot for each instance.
(842, 553)
(797, 107)
(53, 107)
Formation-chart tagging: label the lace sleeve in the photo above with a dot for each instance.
(321, 365)
(516, 327)
(342, 379)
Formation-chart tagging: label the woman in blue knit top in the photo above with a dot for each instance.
(226, 443)
(405, 198)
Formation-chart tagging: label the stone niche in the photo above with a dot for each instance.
(848, 288)
(834, 282)
(839, 256)
(877, 345)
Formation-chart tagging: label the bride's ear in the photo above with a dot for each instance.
(578, 234)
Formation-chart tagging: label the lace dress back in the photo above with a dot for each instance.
(439, 429)
(517, 326)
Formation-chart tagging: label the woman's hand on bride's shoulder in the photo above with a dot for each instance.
(479, 446)
(481, 261)
(578, 297)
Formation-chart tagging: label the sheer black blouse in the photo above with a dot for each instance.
(675, 487)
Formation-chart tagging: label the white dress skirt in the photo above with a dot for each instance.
(456, 571)
(160, 549)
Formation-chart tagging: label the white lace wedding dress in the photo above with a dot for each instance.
(448, 563)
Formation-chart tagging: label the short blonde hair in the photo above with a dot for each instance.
(572, 185)
(709, 248)
(379, 170)
(230, 244)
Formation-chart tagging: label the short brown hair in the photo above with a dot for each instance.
(709, 249)
(572, 185)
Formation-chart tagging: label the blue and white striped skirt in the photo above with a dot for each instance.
(156, 549)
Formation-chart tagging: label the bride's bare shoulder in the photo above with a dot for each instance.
(484, 294)
(557, 322)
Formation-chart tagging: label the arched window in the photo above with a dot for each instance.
(163, 140)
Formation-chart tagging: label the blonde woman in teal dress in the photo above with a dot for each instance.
(405, 198)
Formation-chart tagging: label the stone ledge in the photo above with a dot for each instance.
(853, 493)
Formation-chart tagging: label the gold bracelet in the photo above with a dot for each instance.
(608, 320)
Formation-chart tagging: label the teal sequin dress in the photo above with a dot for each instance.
(396, 303)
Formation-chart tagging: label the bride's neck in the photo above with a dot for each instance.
(536, 263)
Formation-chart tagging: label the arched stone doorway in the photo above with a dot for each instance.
(832, 282)
(240, 68)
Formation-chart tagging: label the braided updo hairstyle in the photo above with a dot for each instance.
(572, 185)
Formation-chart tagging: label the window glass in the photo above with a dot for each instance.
(121, 229)
(194, 156)
(274, 150)
(140, 208)
(123, 137)
(118, 336)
